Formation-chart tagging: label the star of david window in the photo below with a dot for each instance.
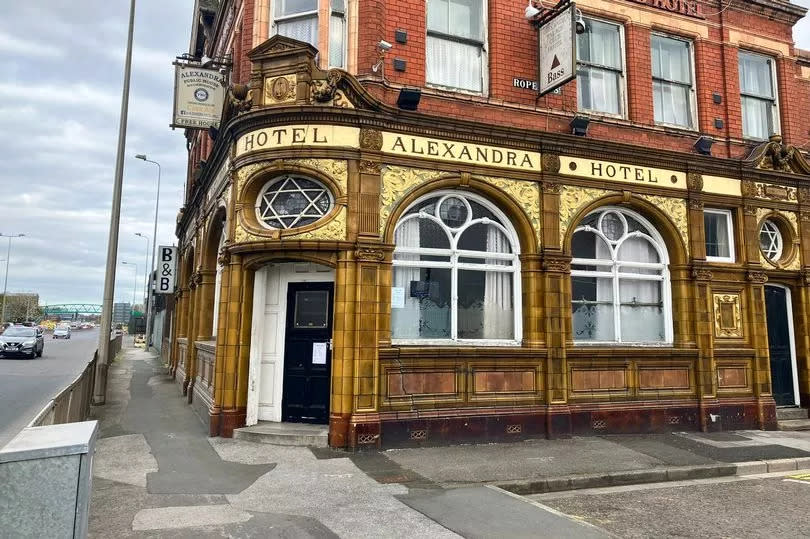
(292, 201)
(770, 240)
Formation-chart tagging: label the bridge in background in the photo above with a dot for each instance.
(72, 309)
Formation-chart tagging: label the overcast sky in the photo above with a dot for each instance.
(60, 92)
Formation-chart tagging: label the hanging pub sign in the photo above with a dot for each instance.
(198, 97)
(166, 270)
(557, 63)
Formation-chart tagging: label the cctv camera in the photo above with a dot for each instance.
(580, 23)
(531, 12)
(384, 46)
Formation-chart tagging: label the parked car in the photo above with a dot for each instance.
(22, 341)
(62, 331)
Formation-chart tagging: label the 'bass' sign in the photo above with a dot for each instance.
(166, 270)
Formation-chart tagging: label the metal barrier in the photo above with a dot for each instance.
(72, 404)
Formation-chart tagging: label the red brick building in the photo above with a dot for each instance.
(464, 265)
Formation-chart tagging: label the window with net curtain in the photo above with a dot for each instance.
(758, 94)
(600, 68)
(454, 50)
(298, 19)
(673, 89)
(620, 287)
(456, 273)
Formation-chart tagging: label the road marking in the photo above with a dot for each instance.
(654, 486)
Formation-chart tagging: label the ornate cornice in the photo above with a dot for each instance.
(758, 277)
(701, 274)
(368, 254)
(777, 156)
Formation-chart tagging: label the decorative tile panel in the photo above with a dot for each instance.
(727, 315)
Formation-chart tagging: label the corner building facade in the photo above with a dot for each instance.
(472, 271)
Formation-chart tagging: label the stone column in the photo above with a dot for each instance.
(229, 349)
(179, 316)
(190, 331)
(557, 294)
(343, 341)
(219, 358)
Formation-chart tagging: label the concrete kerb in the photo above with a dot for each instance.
(656, 475)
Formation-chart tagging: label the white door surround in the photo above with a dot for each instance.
(266, 371)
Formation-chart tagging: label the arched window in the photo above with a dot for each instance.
(292, 201)
(218, 281)
(770, 240)
(619, 280)
(456, 273)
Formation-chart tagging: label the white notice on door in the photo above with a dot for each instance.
(319, 353)
(397, 297)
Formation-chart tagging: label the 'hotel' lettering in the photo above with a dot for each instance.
(283, 136)
(627, 173)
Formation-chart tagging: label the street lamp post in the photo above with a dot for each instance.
(100, 389)
(145, 268)
(149, 301)
(5, 281)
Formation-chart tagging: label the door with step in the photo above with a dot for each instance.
(308, 352)
(780, 344)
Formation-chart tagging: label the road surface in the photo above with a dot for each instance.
(771, 505)
(26, 385)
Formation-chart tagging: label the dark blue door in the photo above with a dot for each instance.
(779, 345)
(308, 353)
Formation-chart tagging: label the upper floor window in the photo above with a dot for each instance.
(673, 84)
(456, 273)
(298, 19)
(600, 68)
(337, 34)
(760, 113)
(719, 231)
(619, 280)
(455, 46)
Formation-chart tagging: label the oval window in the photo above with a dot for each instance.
(770, 240)
(292, 201)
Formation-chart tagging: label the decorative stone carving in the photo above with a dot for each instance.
(551, 163)
(694, 181)
(526, 194)
(758, 277)
(695, 204)
(748, 209)
(727, 316)
(335, 229)
(775, 155)
(803, 195)
(776, 192)
(552, 188)
(700, 274)
(278, 90)
(675, 209)
(369, 255)
(396, 182)
(748, 188)
(370, 167)
(572, 199)
(224, 258)
(805, 216)
(323, 91)
(557, 265)
(371, 139)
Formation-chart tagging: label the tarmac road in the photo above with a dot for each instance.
(26, 385)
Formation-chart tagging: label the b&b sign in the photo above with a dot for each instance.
(166, 270)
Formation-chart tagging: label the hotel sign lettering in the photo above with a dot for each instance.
(460, 152)
(622, 172)
(289, 136)
(691, 8)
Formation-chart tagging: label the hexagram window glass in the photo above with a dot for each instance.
(770, 240)
(292, 201)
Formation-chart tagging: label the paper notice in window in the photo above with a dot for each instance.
(319, 353)
(397, 297)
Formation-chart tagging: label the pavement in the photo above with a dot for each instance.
(26, 385)
(157, 474)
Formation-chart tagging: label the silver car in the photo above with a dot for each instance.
(61, 331)
(22, 341)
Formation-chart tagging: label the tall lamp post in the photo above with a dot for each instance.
(145, 267)
(142, 157)
(100, 389)
(5, 281)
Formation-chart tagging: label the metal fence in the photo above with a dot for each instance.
(72, 404)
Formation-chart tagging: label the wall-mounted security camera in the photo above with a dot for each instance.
(384, 46)
(580, 23)
(531, 12)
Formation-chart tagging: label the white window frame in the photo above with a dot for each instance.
(616, 275)
(775, 114)
(779, 241)
(693, 107)
(454, 265)
(274, 20)
(730, 231)
(484, 44)
(623, 79)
